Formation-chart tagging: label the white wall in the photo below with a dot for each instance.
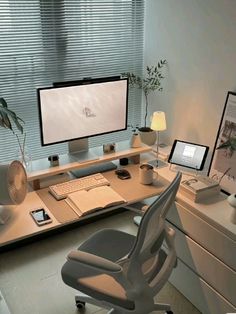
(198, 39)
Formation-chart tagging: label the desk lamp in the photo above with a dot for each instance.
(158, 124)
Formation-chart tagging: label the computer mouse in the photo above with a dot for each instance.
(123, 174)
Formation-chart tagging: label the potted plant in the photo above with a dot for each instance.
(135, 140)
(148, 84)
(6, 116)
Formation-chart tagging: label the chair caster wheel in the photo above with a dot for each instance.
(169, 312)
(80, 305)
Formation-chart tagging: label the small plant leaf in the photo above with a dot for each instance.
(7, 114)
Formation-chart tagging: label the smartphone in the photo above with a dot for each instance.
(40, 216)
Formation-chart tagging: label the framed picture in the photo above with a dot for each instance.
(223, 162)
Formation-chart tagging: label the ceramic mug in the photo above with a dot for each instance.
(146, 174)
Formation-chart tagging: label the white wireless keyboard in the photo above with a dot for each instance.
(61, 190)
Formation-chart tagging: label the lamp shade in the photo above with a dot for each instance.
(158, 121)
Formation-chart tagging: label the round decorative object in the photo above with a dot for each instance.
(232, 202)
(148, 136)
(13, 183)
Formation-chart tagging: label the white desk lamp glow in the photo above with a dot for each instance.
(158, 124)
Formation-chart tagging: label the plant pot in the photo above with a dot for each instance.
(135, 140)
(148, 136)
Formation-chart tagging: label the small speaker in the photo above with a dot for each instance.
(109, 148)
(124, 161)
(54, 160)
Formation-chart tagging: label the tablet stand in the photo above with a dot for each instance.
(195, 174)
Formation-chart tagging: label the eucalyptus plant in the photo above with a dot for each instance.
(150, 83)
(8, 119)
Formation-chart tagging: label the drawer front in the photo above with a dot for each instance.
(218, 275)
(198, 292)
(207, 236)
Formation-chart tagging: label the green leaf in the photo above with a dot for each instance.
(6, 115)
(4, 112)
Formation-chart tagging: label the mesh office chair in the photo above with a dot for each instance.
(121, 272)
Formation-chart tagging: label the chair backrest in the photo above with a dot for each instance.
(144, 258)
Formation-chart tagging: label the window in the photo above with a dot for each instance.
(45, 41)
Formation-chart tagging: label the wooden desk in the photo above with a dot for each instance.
(21, 225)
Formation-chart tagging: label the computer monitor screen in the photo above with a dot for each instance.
(188, 155)
(84, 110)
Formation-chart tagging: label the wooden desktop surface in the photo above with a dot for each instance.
(21, 225)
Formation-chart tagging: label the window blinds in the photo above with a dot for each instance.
(46, 41)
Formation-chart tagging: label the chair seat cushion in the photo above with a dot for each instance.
(109, 243)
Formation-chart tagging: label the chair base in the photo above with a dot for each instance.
(81, 299)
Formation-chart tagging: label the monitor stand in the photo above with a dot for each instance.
(78, 149)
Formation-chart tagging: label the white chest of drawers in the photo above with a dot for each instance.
(206, 263)
(206, 250)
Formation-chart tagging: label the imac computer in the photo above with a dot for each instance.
(73, 111)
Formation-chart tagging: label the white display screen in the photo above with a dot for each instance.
(73, 112)
(188, 154)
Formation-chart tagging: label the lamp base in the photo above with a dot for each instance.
(157, 163)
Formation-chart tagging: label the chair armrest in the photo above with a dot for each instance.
(94, 261)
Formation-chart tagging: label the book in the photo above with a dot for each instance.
(199, 188)
(86, 202)
(198, 197)
(199, 183)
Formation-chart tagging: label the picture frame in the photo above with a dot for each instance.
(223, 162)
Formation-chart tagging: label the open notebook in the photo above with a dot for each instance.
(85, 202)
